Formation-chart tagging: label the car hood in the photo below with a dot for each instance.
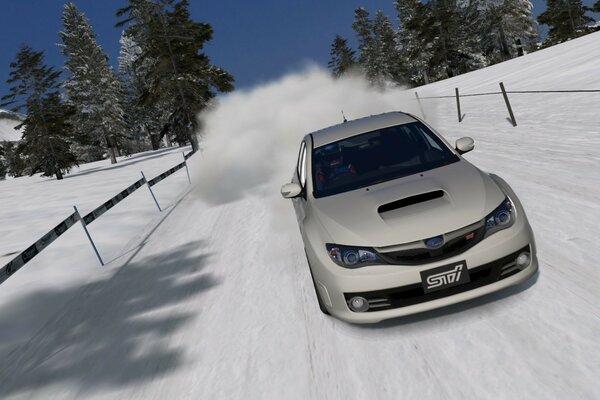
(352, 218)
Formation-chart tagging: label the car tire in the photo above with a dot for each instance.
(321, 304)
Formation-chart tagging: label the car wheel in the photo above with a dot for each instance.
(321, 304)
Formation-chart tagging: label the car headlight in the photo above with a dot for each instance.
(353, 257)
(501, 218)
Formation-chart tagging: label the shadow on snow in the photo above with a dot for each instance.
(110, 332)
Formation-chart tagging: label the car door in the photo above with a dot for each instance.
(300, 178)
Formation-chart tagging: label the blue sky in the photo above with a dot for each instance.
(254, 40)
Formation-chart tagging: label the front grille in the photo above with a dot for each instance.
(453, 247)
(409, 295)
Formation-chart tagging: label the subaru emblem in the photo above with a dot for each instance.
(435, 242)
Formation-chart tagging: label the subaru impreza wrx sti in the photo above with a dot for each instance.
(395, 221)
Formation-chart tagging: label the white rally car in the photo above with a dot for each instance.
(395, 221)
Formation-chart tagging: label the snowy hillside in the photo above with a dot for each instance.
(214, 298)
(7, 125)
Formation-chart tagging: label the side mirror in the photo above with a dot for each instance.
(291, 190)
(465, 144)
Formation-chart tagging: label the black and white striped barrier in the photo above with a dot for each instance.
(92, 216)
(162, 176)
(107, 205)
(24, 257)
(16, 263)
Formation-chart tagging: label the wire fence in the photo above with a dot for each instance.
(30, 252)
(513, 92)
(502, 92)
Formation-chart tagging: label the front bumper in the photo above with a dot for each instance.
(484, 261)
(443, 298)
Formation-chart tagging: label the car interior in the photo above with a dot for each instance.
(379, 153)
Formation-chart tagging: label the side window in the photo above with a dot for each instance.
(301, 168)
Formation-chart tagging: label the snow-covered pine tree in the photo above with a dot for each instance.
(15, 165)
(342, 57)
(505, 28)
(367, 46)
(379, 56)
(454, 50)
(566, 19)
(182, 75)
(415, 50)
(142, 122)
(391, 66)
(91, 87)
(47, 135)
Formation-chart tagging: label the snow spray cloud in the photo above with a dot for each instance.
(252, 137)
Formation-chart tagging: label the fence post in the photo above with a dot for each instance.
(458, 105)
(151, 192)
(510, 111)
(87, 233)
(420, 106)
(186, 167)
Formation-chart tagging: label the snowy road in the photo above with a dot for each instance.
(217, 302)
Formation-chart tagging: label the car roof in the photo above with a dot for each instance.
(358, 126)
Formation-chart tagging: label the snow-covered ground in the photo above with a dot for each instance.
(30, 207)
(214, 300)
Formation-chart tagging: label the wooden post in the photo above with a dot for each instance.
(510, 111)
(458, 105)
(420, 106)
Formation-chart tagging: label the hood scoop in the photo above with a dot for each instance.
(409, 201)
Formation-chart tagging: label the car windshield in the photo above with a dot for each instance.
(376, 157)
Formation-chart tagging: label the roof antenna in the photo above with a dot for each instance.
(345, 120)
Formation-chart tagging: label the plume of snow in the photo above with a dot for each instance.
(252, 137)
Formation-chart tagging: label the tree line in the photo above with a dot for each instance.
(438, 39)
(88, 111)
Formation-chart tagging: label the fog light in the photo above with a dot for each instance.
(359, 304)
(523, 260)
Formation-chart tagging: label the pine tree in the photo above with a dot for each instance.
(342, 57)
(453, 49)
(148, 121)
(142, 122)
(596, 7)
(415, 45)
(91, 86)
(47, 137)
(14, 163)
(367, 46)
(181, 75)
(46, 145)
(505, 27)
(379, 56)
(566, 19)
(389, 61)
